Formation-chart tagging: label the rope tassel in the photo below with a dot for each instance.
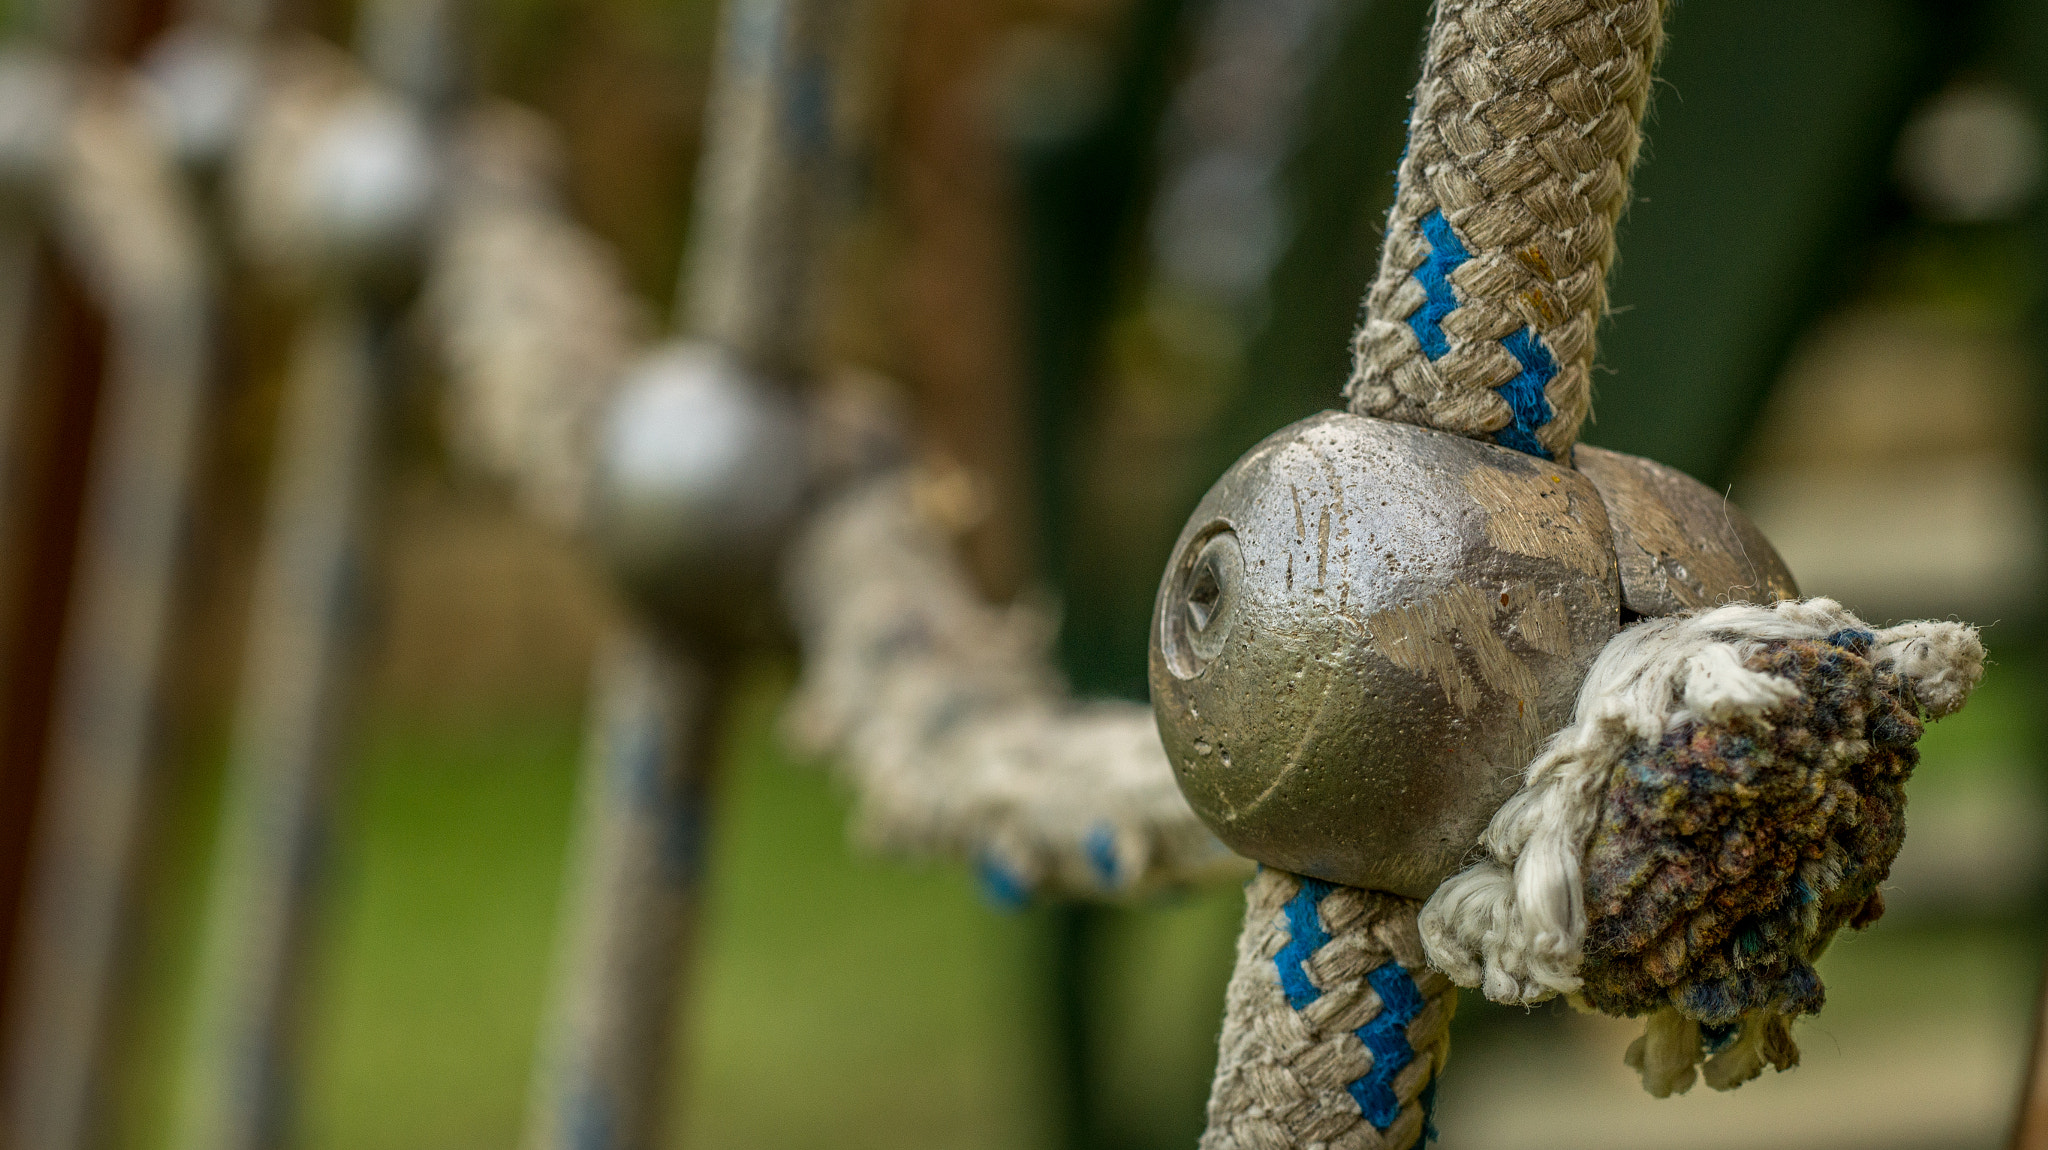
(1729, 794)
(1334, 1030)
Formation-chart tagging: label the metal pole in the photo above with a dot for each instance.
(749, 292)
(289, 722)
(298, 672)
(121, 213)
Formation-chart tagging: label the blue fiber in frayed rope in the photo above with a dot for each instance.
(1855, 640)
(1305, 936)
(1524, 393)
(1102, 854)
(999, 886)
(1387, 1037)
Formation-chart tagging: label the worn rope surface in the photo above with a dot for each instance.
(1494, 274)
(1334, 1029)
(1728, 795)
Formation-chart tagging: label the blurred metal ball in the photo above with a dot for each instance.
(1365, 633)
(202, 83)
(369, 180)
(701, 471)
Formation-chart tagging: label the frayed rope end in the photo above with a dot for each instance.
(1515, 924)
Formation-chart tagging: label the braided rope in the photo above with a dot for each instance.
(750, 279)
(1481, 323)
(298, 665)
(1333, 1029)
(947, 715)
(332, 181)
(1494, 274)
(636, 879)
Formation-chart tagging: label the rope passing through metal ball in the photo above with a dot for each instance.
(1378, 645)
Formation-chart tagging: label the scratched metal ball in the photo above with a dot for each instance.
(1366, 631)
(701, 470)
(1680, 543)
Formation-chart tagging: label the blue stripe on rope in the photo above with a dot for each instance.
(1387, 1037)
(1305, 936)
(1003, 889)
(1524, 393)
(1446, 255)
(1102, 854)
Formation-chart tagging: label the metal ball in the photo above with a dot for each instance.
(1680, 543)
(369, 180)
(1365, 633)
(701, 471)
(203, 82)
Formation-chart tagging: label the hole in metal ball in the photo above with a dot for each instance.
(1203, 595)
(1203, 607)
